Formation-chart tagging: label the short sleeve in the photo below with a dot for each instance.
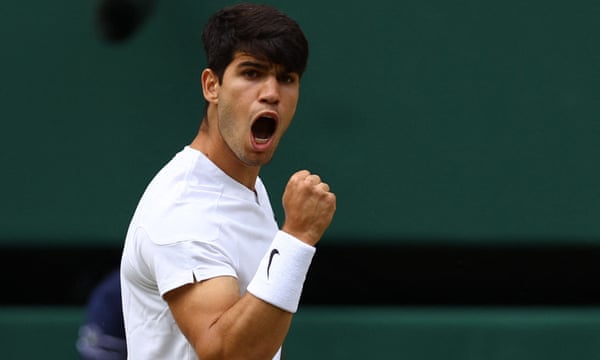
(185, 262)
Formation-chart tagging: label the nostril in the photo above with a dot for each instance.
(270, 98)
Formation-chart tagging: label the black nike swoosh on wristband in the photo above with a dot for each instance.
(273, 253)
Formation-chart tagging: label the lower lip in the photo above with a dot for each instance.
(262, 146)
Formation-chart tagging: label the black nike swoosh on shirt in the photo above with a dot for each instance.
(273, 253)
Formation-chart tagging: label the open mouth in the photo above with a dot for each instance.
(263, 129)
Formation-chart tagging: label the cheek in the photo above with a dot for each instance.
(231, 106)
(285, 123)
(291, 103)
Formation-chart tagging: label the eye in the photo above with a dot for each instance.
(251, 74)
(289, 78)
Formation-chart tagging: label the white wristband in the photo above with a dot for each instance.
(282, 271)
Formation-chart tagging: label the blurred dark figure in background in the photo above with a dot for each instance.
(102, 335)
(118, 20)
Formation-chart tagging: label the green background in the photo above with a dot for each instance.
(452, 121)
(433, 120)
(362, 333)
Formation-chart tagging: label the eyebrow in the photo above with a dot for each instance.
(254, 64)
(263, 66)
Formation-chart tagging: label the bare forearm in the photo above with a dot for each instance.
(250, 329)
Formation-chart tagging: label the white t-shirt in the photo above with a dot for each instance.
(194, 222)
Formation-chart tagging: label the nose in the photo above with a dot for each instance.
(269, 92)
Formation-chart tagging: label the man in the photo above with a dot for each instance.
(206, 272)
(102, 334)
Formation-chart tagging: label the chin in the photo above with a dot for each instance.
(260, 160)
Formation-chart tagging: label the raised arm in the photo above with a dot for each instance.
(222, 325)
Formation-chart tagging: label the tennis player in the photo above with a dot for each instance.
(206, 271)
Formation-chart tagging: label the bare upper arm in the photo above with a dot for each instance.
(197, 307)
(221, 324)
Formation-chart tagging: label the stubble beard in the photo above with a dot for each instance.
(238, 150)
(237, 144)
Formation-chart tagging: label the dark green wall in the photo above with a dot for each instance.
(430, 119)
(361, 333)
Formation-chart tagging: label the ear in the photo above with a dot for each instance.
(210, 86)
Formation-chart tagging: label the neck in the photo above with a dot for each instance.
(217, 151)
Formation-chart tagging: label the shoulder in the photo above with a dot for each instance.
(181, 201)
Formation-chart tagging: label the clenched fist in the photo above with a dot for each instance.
(309, 207)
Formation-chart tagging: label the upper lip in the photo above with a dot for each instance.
(264, 131)
(269, 114)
